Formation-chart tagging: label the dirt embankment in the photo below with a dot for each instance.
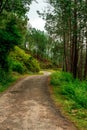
(28, 106)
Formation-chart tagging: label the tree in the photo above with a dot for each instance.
(10, 36)
(85, 21)
(37, 41)
(3, 5)
(66, 20)
(19, 7)
(13, 26)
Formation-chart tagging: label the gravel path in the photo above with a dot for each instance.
(27, 106)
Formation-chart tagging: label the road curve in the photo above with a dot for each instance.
(27, 106)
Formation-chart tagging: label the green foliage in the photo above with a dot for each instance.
(71, 95)
(32, 65)
(22, 62)
(58, 77)
(19, 7)
(3, 75)
(18, 67)
(66, 24)
(73, 89)
(54, 78)
(5, 79)
(18, 61)
(10, 35)
(37, 42)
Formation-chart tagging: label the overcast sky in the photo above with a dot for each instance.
(34, 19)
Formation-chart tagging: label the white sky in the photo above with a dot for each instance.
(34, 19)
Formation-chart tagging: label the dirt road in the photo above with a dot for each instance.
(28, 106)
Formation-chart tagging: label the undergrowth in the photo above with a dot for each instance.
(22, 62)
(6, 79)
(72, 94)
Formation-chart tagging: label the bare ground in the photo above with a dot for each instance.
(27, 106)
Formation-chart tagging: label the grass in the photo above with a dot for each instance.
(71, 96)
(8, 81)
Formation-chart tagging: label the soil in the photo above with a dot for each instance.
(27, 105)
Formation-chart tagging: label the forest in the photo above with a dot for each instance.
(63, 48)
(66, 22)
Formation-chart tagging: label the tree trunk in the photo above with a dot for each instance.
(75, 59)
(85, 68)
(65, 56)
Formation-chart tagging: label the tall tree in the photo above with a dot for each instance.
(36, 41)
(67, 21)
(19, 7)
(85, 21)
(13, 26)
(9, 37)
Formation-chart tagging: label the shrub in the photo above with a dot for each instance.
(26, 61)
(66, 77)
(18, 67)
(54, 78)
(81, 97)
(68, 89)
(73, 89)
(4, 76)
(58, 77)
(33, 65)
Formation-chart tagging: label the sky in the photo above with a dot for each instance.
(34, 19)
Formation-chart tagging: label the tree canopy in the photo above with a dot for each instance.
(13, 27)
(19, 7)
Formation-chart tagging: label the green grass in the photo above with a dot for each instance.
(8, 80)
(71, 95)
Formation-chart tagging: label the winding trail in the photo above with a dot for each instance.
(28, 106)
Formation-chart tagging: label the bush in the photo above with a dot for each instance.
(27, 62)
(81, 97)
(4, 76)
(68, 90)
(33, 65)
(72, 88)
(58, 77)
(66, 77)
(54, 78)
(18, 67)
